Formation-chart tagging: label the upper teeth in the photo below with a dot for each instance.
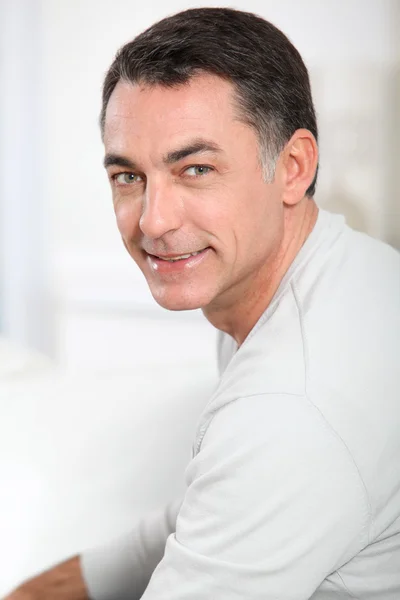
(181, 257)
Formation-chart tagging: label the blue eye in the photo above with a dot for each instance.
(126, 178)
(197, 170)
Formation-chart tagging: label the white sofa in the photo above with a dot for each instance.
(83, 457)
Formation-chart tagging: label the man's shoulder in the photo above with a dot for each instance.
(348, 299)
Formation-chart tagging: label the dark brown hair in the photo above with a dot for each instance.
(270, 79)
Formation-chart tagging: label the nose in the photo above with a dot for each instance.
(161, 210)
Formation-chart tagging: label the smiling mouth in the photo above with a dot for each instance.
(177, 257)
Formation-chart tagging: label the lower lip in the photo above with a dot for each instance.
(176, 266)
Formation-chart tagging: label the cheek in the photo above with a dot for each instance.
(127, 215)
(258, 225)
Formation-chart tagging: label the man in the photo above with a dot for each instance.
(293, 491)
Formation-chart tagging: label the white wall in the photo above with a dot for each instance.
(25, 297)
(104, 315)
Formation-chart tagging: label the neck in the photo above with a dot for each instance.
(238, 318)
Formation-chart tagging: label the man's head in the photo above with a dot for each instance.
(270, 79)
(209, 130)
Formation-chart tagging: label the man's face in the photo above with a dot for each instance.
(191, 204)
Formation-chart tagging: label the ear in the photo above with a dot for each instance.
(299, 164)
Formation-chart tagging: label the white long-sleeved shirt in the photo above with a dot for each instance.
(293, 491)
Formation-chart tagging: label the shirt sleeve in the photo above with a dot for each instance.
(274, 504)
(121, 570)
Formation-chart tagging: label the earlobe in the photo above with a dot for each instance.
(301, 161)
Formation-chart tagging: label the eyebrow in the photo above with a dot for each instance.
(118, 161)
(195, 147)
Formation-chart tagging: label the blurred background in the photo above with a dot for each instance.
(67, 287)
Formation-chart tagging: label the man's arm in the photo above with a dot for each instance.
(274, 504)
(121, 569)
(62, 582)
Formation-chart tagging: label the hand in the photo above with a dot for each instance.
(63, 582)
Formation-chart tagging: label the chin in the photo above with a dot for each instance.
(175, 302)
(178, 305)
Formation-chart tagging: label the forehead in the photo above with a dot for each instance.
(142, 114)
